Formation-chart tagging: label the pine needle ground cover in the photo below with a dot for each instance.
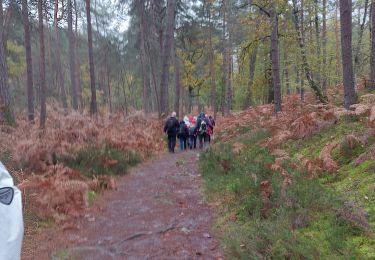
(311, 196)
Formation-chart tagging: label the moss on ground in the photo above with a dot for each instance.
(312, 146)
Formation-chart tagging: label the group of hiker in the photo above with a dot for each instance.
(190, 130)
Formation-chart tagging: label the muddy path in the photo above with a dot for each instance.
(157, 212)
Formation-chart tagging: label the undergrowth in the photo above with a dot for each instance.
(101, 160)
(306, 221)
(312, 146)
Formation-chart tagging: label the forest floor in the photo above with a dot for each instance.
(158, 211)
(297, 184)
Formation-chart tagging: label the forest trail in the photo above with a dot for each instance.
(157, 212)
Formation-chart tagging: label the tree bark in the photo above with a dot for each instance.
(314, 86)
(60, 71)
(373, 40)
(93, 106)
(108, 70)
(42, 71)
(77, 63)
(124, 91)
(154, 81)
(268, 76)
(145, 81)
(252, 62)
(168, 42)
(29, 62)
(357, 51)
(286, 61)
(6, 111)
(275, 57)
(350, 97)
(338, 60)
(49, 68)
(154, 48)
(225, 61)
(297, 79)
(177, 74)
(72, 55)
(229, 60)
(317, 38)
(229, 79)
(324, 46)
(212, 64)
(302, 29)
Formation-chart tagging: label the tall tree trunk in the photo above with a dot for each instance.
(229, 60)
(123, 91)
(324, 46)
(373, 40)
(29, 62)
(286, 61)
(190, 102)
(225, 60)
(357, 51)
(154, 81)
(337, 40)
(49, 69)
(286, 71)
(72, 55)
(6, 112)
(168, 42)
(60, 71)
(350, 97)
(317, 39)
(177, 74)
(212, 64)
(42, 68)
(230, 77)
(268, 76)
(297, 80)
(154, 48)
(182, 101)
(275, 57)
(78, 66)
(302, 28)
(109, 87)
(145, 81)
(93, 106)
(252, 61)
(314, 86)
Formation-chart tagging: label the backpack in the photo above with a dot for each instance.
(203, 127)
(170, 125)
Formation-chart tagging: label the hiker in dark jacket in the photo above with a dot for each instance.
(202, 130)
(192, 137)
(183, 133)
(170, 128)
(212, 125)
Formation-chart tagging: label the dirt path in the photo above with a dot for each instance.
(158, 212)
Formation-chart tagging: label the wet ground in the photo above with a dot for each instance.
(157, 212)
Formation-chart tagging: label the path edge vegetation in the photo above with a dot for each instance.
(262, 214)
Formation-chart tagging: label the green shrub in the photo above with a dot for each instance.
(344, 154)
(300, 224)
(101, 160)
